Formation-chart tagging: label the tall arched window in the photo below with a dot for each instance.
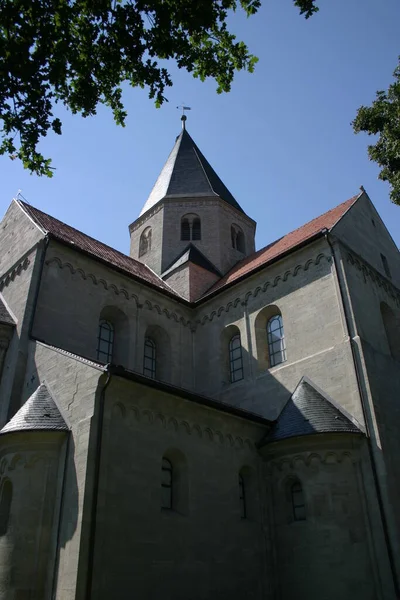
(149, 359)
(145, 242)
(235, 358)
(5, 506)
(105, 343)
(276, 341)
(298, 503)
(242, 497)
(196, 229)
(166, 484)
(174, 482)
(190, 227)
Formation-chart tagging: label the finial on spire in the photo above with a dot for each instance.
(184, 117)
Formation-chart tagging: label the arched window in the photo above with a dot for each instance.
(149, 360)
(242, 497)
(105, 343)
(237, 238)
(391, 323)
(166, 484)
(276, 341)
(5, 506)
(235, 358)
(157, 358)
(174, 482)
(196, 229)
(190, 227)
(145, 242)
(298, 503)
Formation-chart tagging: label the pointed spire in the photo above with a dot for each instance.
(187, 174)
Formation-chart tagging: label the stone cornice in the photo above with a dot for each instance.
(181, 426)
(370, 272)
(6, 279)
(118, 291)
(270, 283)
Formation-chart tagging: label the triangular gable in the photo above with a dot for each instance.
(39, 413)
(310, 411)
(191, 254)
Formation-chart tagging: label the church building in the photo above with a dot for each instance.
(199, 420)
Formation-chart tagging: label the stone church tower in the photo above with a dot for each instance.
(191, 230)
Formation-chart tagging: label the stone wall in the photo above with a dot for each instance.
(303, 288)
(202, 548)
(337, 550)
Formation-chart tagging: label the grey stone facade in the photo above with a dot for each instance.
(283, 473)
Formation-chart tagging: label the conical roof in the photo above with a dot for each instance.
(187, 174)
(310, 411)
(39, 413)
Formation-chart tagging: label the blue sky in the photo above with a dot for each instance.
(281, 140)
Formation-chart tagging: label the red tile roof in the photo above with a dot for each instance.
(77, 239)
(284, 244)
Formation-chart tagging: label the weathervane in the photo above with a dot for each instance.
(183, 117)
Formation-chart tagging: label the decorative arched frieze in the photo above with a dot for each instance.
(183, 426)
(11, 275)
(306, 460)
(169, 314)
(95, 280)
(374, 276)
(253, 293)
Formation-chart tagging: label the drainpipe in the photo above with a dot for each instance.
(96, 481)
(365, 412)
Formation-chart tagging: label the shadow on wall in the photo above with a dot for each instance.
(239, 368)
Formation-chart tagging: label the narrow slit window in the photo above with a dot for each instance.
(298, 503)
(196, 229)
(242, 497)
(105, 344)
(149, 359)
(276, 341)
(235, 358)
(185, 230)
(166, 484)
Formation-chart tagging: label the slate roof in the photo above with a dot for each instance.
(192, 254)
(39, 413)
(188, 174)
(5, 316)
(309, 411)
(284, 244)
(81, 241)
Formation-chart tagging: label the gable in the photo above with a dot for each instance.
(363, 230)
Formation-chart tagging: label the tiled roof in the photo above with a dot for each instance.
(5, 316)
(192, 254)
(81, 241)
(39, 413)
(310, 411)
(188, 174)
(284, 244)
